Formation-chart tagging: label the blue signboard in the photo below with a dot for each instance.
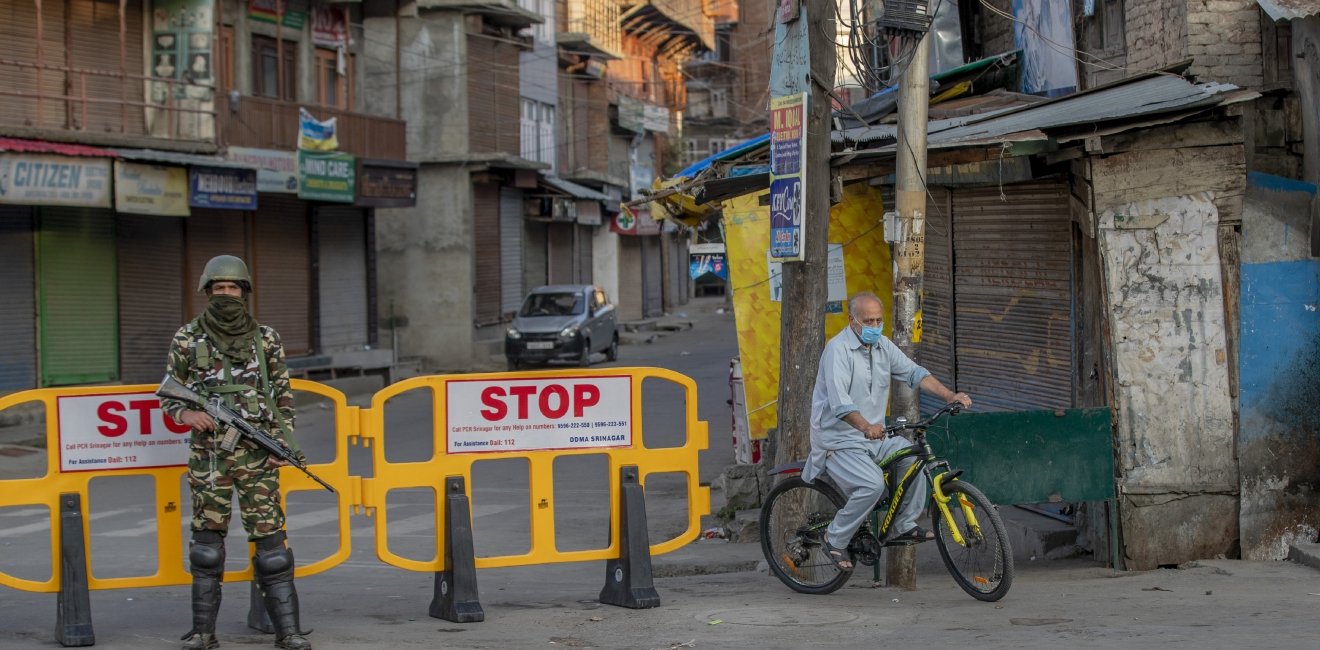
(786, 218)
(714, 263)
(226, 188)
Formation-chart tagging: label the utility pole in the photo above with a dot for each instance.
(808, 66)
(910, 255)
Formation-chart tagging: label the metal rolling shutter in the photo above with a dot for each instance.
(18, 345)
(561, 253)
(935, 352)
(1013, 296)
(584, 235)
(79, 324)
(211, 233)
(95, 46)
(652, 284)
(534, 254)
(511, 250)
(18, 42)
(341, 278)
(151, 293)
(629, 300)
(282, 271)
(486, 262)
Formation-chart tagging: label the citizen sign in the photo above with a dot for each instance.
(530, 414)
(125, 431)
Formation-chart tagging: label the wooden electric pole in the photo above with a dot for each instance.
(802, 314)
(909, 255)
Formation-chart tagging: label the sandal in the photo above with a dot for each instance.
(839, 557)
(914, 536)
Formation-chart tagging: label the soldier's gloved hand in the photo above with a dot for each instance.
(199, 420)
(275, 463)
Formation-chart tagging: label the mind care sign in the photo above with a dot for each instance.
(518, 414)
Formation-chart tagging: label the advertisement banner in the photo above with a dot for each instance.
(124, 431)
(151, 189)
(314, 134)
(37, 179)
(495, 415)
(788, 191)
(326, 176)
(712, 263)
(181, 34)
(866, 266)
(277, 171)
(226, 188)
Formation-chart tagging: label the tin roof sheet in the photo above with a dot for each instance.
(1290, 9)
(62, 148)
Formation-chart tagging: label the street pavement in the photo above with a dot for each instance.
(713, 594)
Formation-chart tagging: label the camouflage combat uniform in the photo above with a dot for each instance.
(213, 473)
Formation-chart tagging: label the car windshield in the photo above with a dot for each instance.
(552, 304)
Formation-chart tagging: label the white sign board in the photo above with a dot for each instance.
(493, 415)
(838, 280)
(124, 431)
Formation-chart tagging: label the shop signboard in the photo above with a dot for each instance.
(40, 179)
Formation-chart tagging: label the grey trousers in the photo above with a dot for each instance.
(856, 473)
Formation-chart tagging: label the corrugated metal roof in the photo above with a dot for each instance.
(174, 158)
(64, 149)
(573, 189)
(1290, 9)
(1129, 99)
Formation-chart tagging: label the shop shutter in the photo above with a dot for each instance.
(534, 254)
(629, 300)
(585, 261)
(210, 233)
(511, 253)
(341, 278)
(935, 352)
(77, 304)
(151, 291)
(282, 271)
(561, 253)
(18, 42)
(1013, 295)
(96, 47)
(494, 101)
(652, 283)
(486, 262)
(18, 345)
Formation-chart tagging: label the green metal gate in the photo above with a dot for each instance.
(78, 315)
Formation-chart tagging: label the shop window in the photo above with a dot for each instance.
(269, 80)
(334, 78)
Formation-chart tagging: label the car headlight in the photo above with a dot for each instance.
(513, 333)
(569, 332)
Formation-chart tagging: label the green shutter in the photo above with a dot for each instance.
(78, 315)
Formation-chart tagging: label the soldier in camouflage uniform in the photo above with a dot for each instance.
(218, 354)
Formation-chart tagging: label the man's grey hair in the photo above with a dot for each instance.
(861, 296)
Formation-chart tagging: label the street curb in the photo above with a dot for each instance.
(1308, 554)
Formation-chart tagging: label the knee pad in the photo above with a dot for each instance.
(274, 563)
(207, 554)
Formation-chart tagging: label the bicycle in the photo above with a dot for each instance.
(796, 514)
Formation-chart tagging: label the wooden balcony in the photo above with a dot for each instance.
(273, 124)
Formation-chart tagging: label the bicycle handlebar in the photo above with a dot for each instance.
(952, 408)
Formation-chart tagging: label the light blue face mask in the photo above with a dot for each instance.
(871, 335)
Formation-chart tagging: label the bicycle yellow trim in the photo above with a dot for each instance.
(898, 497)
(942, 502)
(969, 512)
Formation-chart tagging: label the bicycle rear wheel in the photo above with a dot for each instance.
(793, 522)
(983, 564)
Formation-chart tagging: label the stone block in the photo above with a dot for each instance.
(743, 486)
(745, 527)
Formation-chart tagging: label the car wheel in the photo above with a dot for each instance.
(612, 353)
(585, 359)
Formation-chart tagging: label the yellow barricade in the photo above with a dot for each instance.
(461, 398)
(143, 410)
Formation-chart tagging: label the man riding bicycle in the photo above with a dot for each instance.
(847, 424)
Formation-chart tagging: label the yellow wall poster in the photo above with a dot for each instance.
(856, 233)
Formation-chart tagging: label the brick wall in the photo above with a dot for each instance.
(1156, 33)
(1224, 38)
(996, 30)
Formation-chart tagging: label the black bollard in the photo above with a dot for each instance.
(73, 608)
(628, 581)
(456, 587)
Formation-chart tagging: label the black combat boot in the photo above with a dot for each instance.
(207, 556)
(273, 565)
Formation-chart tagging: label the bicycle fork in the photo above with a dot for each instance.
(942, 502)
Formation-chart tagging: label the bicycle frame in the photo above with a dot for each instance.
(926, 464)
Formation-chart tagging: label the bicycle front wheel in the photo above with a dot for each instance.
(793, 522)
(982, 564)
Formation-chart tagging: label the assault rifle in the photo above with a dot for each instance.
(227, 418)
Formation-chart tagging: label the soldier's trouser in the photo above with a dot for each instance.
(215, 475)
(207, 557)
(273, 565)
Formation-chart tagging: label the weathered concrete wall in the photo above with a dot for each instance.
(435, 67)
(1279, 443)
(1158, 216)
(424, 263)
(605, 261)
(1306, 79)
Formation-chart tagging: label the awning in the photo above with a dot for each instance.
(1290, 9)
(17, 145)
(573, 189)
(173, 158)
(499, 12)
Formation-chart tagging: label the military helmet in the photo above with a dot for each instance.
(225, 267)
